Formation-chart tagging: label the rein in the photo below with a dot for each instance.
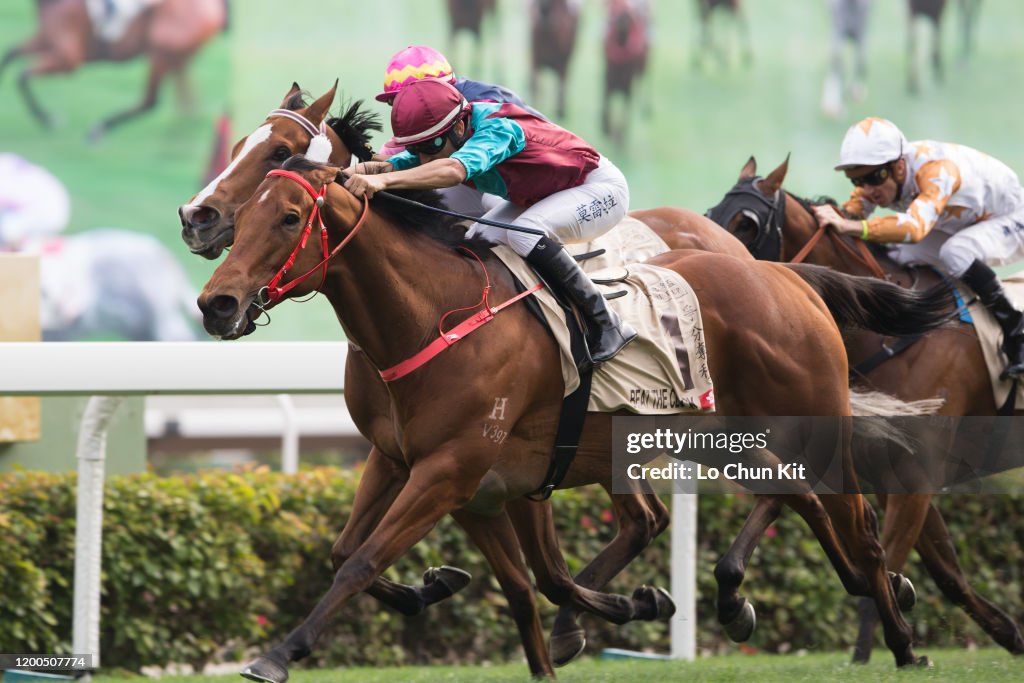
(861, 255)
(271, 293)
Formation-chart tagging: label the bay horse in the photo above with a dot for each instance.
(849, 25)
(208, 225)
(469, 16)
(168, 33)
(946, 362)
(553, 28)
(706, 10)
(626, 46)
(446, 464)
(931, 12)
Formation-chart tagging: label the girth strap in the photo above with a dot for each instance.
(567, 439)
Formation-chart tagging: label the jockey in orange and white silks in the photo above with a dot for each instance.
(956, 208)
(549, 179)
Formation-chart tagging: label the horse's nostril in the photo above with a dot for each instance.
(222, 306)
(198, 217)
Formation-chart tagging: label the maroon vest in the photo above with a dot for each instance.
(553, 160)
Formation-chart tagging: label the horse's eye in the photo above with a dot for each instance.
(291, 219)
(281, 153)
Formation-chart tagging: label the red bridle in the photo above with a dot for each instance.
(272, 293)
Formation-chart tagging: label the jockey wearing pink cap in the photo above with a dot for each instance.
(550, 180)
(418, 62)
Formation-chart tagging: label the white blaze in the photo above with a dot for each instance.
(257, 137)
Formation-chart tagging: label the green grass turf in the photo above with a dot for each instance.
(705, 123)
(992, 666)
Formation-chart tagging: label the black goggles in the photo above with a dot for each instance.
(431, 146)
(875, 178)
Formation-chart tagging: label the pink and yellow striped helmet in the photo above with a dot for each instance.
(414, 63)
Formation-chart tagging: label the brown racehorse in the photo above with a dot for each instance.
(468, 16)
(706, 45)
(626, 44)
(553, 28)
(946, 362)
(168, 34)
(449, 466)
(208, 227)
(932, 12)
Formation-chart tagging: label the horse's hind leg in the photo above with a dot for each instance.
(847, 512)
(937, 66)
(378, 487)
(46, 63)
(29, 47)
(904, 516)
(159, 67)
(497, 541)
(641, 519)
(935, 546)
(913, 81)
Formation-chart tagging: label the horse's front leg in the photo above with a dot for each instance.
(437, 485)
(735, 613)
(380, 484)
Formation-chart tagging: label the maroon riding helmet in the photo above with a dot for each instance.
(426, 110)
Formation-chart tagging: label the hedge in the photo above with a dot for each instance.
(213, 565)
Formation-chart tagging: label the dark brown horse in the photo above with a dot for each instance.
(553, 27)
(626, 45)
(706, 45)
(469, 16)
(444, 464)
(945, 363)
(932, 11)
(168, 34)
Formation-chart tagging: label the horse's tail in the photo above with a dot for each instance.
(877, 305)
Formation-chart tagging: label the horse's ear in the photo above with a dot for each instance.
(318, 110)
(291, 93)
(771, 184)
(749, 169)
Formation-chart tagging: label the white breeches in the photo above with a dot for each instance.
(579, 214)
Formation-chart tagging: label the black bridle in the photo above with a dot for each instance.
(769, 215)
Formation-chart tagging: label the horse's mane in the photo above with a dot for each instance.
(354, 126)
(447, 230)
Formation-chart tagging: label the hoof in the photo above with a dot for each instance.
(906, 596)
(263, 669)
(921, 662)
(658, 602)
(452, 578)
(565, 647)
(742, 627)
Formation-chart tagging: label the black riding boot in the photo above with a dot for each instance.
(606, 332)
(985, 284)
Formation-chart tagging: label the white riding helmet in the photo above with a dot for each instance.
(871, 142)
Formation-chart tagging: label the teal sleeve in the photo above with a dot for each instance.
(404, 160)
(493, 141)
